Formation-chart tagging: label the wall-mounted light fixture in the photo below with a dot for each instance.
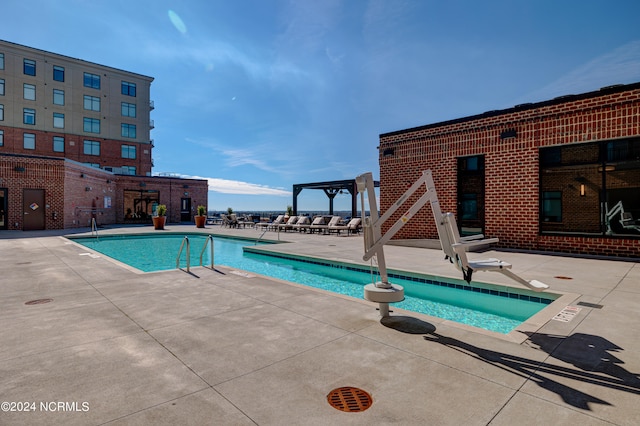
(87, 188)
(108, 181)
(582, 190)
(143, 184)
(388, 152)
(81, 175)
(19, 169)
(185, 186)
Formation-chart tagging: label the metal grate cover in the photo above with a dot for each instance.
(349, 399)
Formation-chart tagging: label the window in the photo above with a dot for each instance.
(58, 144)
(91, 148)
(128, 130)
(1, 137)
(29, 92)
(128, 110)
(91, 125)
(29, 67)
(128, 151)
(1, 61)
(552, 206)
(1, 87)
(58, 73)
(58, 97)
(128, 170)
(91, 103)
(29, 141)
(91, 80)
(96, 165)
(58, 120)
(128, 89)
(29, 116)
(1, 112)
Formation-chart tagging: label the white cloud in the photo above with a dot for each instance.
(227, 186)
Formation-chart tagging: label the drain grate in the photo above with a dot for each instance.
(349, 399)
(38, 301)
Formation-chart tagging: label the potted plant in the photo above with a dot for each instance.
(289, 212)
(201, 217)
(160, 217)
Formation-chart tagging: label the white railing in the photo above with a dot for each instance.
(185, 241)
(209, 239)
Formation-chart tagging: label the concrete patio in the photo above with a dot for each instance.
(120, 347)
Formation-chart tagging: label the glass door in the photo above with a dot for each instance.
(471, 195)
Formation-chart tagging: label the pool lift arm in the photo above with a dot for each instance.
(454, 246)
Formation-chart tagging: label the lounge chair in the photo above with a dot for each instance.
(353, 226)
(304, 227)
(455, 249)
(267, 225)
(335, 220)
(302, 224)
(288, 225)
(628, 222)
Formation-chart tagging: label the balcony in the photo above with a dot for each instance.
(151, 106)
(151, 125)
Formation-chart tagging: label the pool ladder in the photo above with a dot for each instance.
(94, 228)
(185, 242)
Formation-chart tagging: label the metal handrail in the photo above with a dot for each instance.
(94, 227)
(209, 238)
(186, 240)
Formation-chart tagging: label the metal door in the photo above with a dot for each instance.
(34, 209)
(185, 210)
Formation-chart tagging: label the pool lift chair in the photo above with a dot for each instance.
(455, 247)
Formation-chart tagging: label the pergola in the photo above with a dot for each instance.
(331, 189)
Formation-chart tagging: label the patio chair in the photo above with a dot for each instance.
(335, 220)
(304, 227)
(302, 223)
(455, 249)
(288, 225)
(353, 226)
(267, 225)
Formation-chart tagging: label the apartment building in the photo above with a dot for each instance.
(560, 175)
(75, 145)
(58, 106)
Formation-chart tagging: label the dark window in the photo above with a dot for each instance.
(91, 80)
(58, 73)
(552, 206)
(128, 130)
(91, 125)
(29, 116)
(58, 144)
(29, 141)
(128, 89)
(91, 148)
(29, 67)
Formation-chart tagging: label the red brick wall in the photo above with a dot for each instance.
(85, 190)
(75, 193)
(110, 150)
(39, 173)
(511, 165)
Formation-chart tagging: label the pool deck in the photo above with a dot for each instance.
(226, 347)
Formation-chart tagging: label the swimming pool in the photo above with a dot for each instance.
(500, 310)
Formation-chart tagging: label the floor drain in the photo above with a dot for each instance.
(349, 399)
(38, 301)
(561, 277)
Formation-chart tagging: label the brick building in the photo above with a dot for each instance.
(560, 175)
(75, 144)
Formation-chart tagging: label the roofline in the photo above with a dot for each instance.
(77, 59)
(607, 90)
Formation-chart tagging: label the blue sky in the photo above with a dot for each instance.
(258, 95)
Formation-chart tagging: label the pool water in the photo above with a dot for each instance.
(475, 305)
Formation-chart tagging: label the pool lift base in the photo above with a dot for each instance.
(453, 245)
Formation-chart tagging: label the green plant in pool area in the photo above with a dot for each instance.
(202, 211)
(289, 211)
(161, 210)
(229, 210)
